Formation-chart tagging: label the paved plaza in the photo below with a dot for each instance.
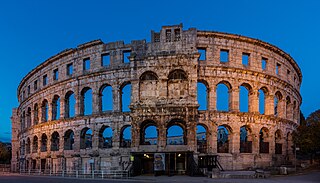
(309, 177)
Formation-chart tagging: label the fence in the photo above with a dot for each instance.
(5, 168)
(96, 174)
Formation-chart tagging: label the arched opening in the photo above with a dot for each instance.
(245, 140)
(176, 134)
(55, 140)
(106, 98)
(68, 140)
(202, 96)
(223, 138)
(70, 105)
(148, 85)
(44, 142)
(28, 146)
(295, 113)
(263, 140)
(222, 91)
(56, 107)
(35, 144)
(23, 147)
(22, 120)
(148, 76)
(178, 85)
(35, 114)
(45, 110)
(28, 117)
(262, 100)
(149, 133)
(277, 107)
(289, 113)
(86, 101)
(177, 74)
(278, 141)
(105, 137)
(86, 138)
(125, 97)
(201, 139)
(244, 97)
(125, 137)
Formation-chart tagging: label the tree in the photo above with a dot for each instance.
(307, 135)
(5, 154)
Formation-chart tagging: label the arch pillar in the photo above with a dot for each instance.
(190, 131)
(78, 102)
(162, 136)
(50, 110)
(95, 137)
(116, 92)
(135, 135)
(76, 137)
(61, 140)
(40, 113)
(116, 136)
(134, 91)
(289, 111)
(212, 139)
(254, 138)
(254, 101)
(269, 105)
(234, 99)
(96, 104)
(212, 98)
(49, 136)
(235, 141)
(62, 107)
(281, 108)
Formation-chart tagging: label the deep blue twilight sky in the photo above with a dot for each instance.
(32, 31)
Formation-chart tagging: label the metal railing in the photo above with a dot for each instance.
(5, 168)
(85, 174)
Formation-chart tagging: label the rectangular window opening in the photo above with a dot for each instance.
(168, 35)
(278, 66)
(245, 59)
(264, 63)
(203, 54)
(126, 55)
(177, 35)
(70, 69)
(105, 60)
(35, 85)
(45, 80)
(288, 73)
(28, 89)
(224, 55)
(156, 37)
(55, 74)
(86, 64)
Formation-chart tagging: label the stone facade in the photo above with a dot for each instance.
(163, 76)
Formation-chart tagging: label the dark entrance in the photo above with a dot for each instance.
(176, 163)
(43, 165)
(34, 164)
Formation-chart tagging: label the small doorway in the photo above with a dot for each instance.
(143, 164)
(34, 164)
(43, 165)
(176, 163)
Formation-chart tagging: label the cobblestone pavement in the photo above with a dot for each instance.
(311, 177)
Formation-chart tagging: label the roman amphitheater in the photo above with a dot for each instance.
(186, 101)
